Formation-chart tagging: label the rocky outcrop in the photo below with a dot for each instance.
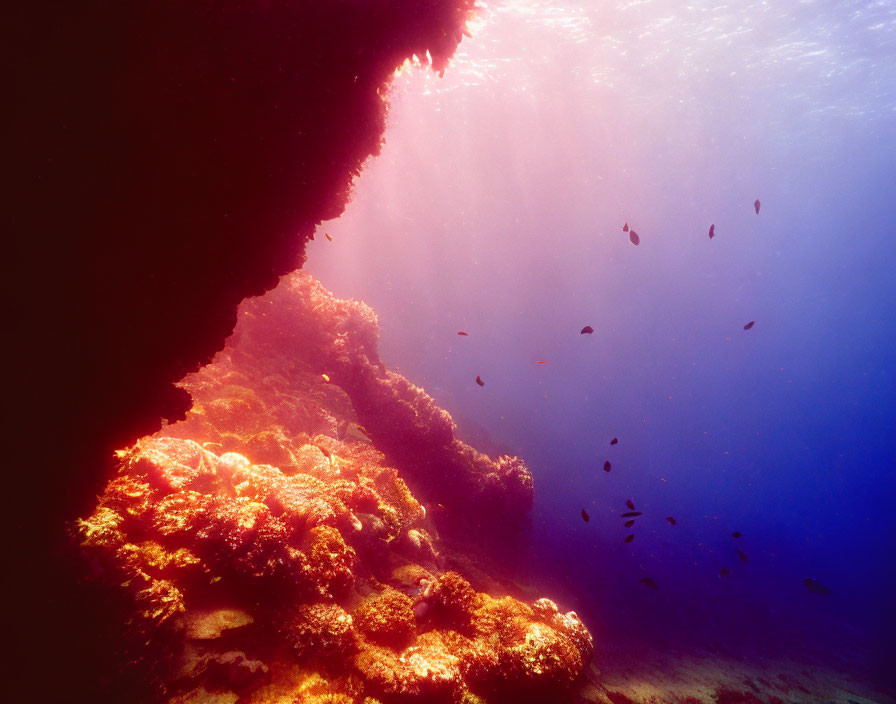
(170, 158)
(270, 543)
(326, 335)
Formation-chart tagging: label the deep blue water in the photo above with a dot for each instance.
(496, 208)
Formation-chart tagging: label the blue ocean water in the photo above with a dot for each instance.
(497, 208)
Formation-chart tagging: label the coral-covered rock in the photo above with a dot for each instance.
(387, 619)
(339, 337)
(569, 624)
(270, 546)
(452, 601)
(426, 671)
(173, 465)
(542, 661)
(330, 562)
(318, 631)
(531, 656)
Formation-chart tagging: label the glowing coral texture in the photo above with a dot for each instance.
(268, 548)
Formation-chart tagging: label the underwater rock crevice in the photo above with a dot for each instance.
(168, 159)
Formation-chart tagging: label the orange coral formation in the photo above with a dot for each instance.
(319, 630)
(273, 550)
(388, 619)
(453, 600)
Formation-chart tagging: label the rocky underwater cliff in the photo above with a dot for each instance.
(284, 542)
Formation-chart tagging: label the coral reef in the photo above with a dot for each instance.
(301, 319)
(172, 158)
(388, 619)
(270, 549)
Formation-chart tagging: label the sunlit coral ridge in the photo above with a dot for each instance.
(275, 545)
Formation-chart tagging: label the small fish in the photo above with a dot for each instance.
(327, 235)
(325, 378)
(630, 504)
(815, 587)
(312, 236)
(649, 583)
(541, 361)
(630, 538)
(632, 514)
(756, 205)
(629, 524)
(737, 534)
(633, 236)
(614, 441)
(587, 330)
(480, 381)
(712, 231)
(625, 227)
(671, 520)
(463, 334)
(585, 516)
(742, 555)
(749, 325)
(724, 572)
(607, 466)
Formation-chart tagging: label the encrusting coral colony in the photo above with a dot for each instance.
(268, 548)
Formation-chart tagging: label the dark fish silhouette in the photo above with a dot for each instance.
(607, 466)
(625, 227)
(463, 334)
(629, 524)
(749, 325)
(614, 441)
(649, 583)
(327, 235)
(480, 381)
(585, 516)
(737, 534)
(724, 572)
(633, 236)
(671, 520)
(630, 504)
(630, 538)
(815, 587)
(632, 514)
(587, 330)
(756, 205)
(712, 231)
(742, 555)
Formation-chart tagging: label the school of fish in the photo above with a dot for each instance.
(811, 585)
